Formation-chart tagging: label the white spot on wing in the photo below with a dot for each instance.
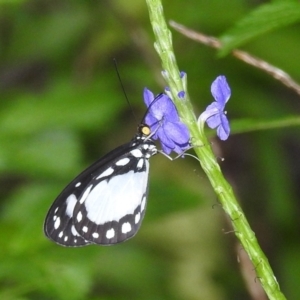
(95, 235)
(110, 201)
(107, 172)
(57, 223)
(84, 229)
(140, 163)
(110, 233)
(66, 238)
(137, 218)
(126, 227)
(152, 150)
(74, 231)
(61, 234)
(71, 202)
(78, 184)
(85, 194)
(122, 162)
(56, 209)
(79, 217)
(143, 204)
(136, 153)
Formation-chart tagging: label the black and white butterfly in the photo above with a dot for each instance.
(106, 203)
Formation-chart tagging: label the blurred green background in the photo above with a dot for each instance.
(61, 108)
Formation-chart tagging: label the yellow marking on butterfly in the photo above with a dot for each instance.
(145, 130)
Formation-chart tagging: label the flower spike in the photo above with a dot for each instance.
(163, 119)
(214, 115)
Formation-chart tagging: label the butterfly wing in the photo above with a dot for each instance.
(105, 204)
(111, 209)
(59, 225)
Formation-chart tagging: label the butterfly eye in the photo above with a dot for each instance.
(145, 130)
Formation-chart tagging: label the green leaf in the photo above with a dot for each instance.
(63, 106)
(4, 2)
(261, 21)
(47, 35)
(50, 153)
(250, 125)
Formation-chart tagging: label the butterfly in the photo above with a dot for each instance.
(106, 203)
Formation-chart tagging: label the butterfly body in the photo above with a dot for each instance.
(106, 203)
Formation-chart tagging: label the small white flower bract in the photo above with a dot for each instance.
(106, 203)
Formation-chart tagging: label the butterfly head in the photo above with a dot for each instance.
(144, 130)
(144, 137)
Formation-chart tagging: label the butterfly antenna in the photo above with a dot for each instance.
(123, 89)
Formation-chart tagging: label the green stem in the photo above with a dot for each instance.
(243, 232)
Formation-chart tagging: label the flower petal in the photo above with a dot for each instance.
(163, 119)
(148, 97)
(214, 121)
(212, 109)
(177, 132)
(166, 143)
(164, 109)
(223, 130)
(221, 90)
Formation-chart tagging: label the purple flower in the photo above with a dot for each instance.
(214, 115)
(162, 117)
